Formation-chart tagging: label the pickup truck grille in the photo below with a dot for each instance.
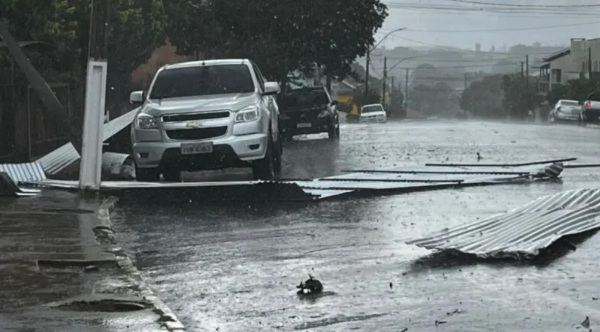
(196, 134)
(196, 116)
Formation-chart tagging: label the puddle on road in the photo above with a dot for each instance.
(103, 306)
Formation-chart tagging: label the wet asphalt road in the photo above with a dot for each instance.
(235, 267)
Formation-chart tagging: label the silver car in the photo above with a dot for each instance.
(565, 110)
(206, 115)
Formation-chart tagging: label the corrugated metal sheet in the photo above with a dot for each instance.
(402, 180)
(59, 159)
(523, 231)
(64, 156)
(111, 128)
(9, 188)
(29, 172)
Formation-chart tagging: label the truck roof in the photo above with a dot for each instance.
(216, 62)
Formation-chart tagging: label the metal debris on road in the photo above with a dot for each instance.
(27, 172)
(395, 180)
(524, 231)
(61, 158)
(9, 188)
(311, 286)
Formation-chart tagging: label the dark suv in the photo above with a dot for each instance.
(308, 111)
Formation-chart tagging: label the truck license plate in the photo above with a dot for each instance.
(196, 148)
(304, 125)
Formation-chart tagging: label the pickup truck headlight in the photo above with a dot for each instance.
(247, 114)
(145, 121)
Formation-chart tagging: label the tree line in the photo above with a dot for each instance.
(281, 36)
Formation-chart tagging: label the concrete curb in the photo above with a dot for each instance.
(167, 318)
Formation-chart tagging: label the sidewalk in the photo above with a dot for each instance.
(61, 270)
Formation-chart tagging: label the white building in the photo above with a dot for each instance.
(571, 63)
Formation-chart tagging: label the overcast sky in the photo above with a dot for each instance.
(529, 19)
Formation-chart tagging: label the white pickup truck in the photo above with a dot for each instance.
(591, 110)
(206, 115)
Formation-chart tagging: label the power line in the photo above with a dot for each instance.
(492, 9)
(509, 29)
(525, 6)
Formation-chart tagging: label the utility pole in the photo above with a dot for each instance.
(466, 80)
(392, 94)
(527, 99)
(384, 81)
(369, 59)
(95, 98)
(590, 63)
(367, 75)
(406, 92)
(98, 41)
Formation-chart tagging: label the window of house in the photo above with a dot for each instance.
(557, 75)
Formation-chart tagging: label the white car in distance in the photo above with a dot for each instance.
(373, 113)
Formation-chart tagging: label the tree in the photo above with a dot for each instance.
(425, 74)
(484, 98)
(280, 35)
(431, 99)
(136, 29)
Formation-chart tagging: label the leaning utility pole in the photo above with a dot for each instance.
(95, 98)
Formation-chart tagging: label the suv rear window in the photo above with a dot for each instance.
(304, 98)
(205, 80)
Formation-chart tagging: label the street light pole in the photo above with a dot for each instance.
(369, 59)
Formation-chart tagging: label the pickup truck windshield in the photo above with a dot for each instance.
(205, 80)
(304, 98)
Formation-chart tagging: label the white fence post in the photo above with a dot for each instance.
(90, 171)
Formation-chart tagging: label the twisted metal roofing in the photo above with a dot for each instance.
(523, 231)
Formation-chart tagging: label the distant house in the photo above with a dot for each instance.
(576, 61)
(343, 92)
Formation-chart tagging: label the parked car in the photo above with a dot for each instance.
(206, 115)
(591, 110)
(309, 111)
(565, 110)
(373, 113)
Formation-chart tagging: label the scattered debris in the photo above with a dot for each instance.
(91, 268)
(310, 286)
(10, 189)
(391, 285)
(454, 312)
(28, 172)
(523, 232)
(439, 322)
(404, 329)
(117, 166)
(586, 322)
